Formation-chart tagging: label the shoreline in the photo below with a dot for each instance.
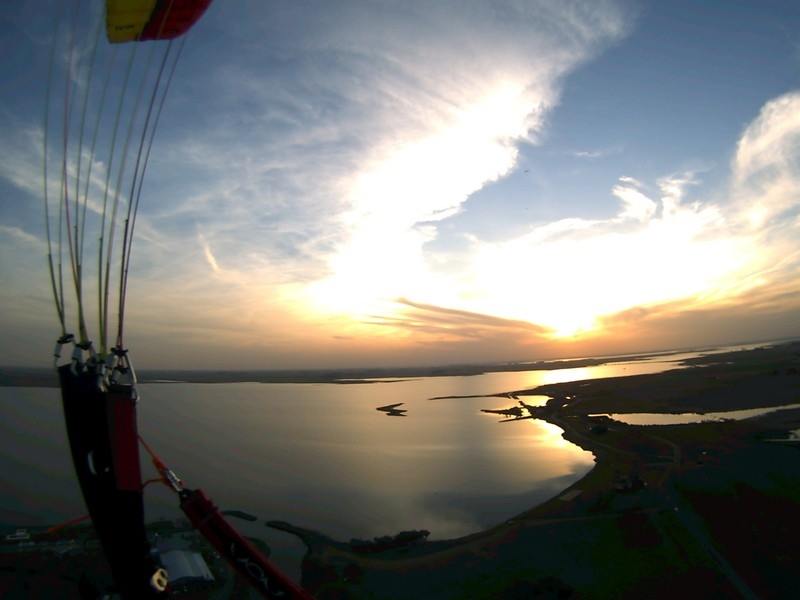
(15, 376)
(626, 502)
(662, 459)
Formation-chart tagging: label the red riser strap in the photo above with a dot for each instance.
(240, 553)
(121, 411)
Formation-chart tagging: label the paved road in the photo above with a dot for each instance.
(690, 520)
(694, 526)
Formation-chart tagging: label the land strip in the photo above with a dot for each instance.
(681, 507)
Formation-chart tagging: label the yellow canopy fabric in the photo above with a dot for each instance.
(138, 20)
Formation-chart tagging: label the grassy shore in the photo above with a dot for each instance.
(696, 511)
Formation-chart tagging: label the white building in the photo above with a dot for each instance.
(22, 534)
(182, 565)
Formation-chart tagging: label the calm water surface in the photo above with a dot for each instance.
(686, 418)
(319, 455)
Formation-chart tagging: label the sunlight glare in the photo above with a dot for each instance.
(564, 276)
(568, 280)
(409, 187)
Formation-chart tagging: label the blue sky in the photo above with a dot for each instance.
(391, 183)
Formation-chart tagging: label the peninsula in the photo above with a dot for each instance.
(697, 510)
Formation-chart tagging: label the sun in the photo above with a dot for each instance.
(572, 326)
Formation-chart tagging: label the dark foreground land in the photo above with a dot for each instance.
(68, 564)
(707, 510)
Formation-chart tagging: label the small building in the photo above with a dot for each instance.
(183, 566)
(21, 534)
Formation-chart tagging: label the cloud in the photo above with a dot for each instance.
(635, 205)
(22, 168)
(660, 256)
(760, 313)
(454, 324)
(212, 261)
(20, 236)
(663, 253)
(766, 173)
(328, 148)
(333, 149)
(755, 273)
(452, 95)
(595, 154)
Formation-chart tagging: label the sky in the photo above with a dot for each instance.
(389, 183)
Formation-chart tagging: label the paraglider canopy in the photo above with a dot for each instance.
(139, 20)
(98, 132)
(101, 113)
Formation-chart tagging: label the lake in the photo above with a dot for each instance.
(687, 418)
(318, 455)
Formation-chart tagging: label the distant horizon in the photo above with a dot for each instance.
(28, 376)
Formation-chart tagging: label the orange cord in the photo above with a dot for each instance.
(55, 528)
(163, 471)
(163, 478)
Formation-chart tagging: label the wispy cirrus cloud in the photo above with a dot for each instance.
(595, 154)
(454, 324)
(766, 175)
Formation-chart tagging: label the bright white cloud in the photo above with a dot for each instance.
(464, 95)
(566, 274)
(376, 112)
(766, 179)
(635, 205)
(656, 250)
(600, 267)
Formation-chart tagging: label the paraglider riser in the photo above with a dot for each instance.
(101, 427)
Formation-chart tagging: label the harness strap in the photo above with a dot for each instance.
(238, 551)
(242, 555)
